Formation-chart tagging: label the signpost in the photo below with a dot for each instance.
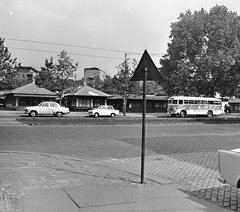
(146, 71)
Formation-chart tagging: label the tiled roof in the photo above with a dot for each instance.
(88, 91)
(32, 89)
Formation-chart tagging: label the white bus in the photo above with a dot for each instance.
(186, 105)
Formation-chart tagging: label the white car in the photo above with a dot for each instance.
(46, 108)
(103, 110)
(229, 167)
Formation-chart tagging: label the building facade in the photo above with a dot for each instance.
(28, 95)
(91, 74)
(85, 98)
(26, 73)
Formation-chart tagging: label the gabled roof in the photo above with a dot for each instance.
(32, 90)
(88, 91)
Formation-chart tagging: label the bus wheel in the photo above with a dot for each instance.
(210, 114)
(182, 113)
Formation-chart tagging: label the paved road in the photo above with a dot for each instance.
(183, 153)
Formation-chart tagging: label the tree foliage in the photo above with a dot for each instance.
(203, 57)
(122, 83)
(57, 77)
(153, 88)
(65, 69)
(8, 68)
(47, 76)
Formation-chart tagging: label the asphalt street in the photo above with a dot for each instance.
(184, 152)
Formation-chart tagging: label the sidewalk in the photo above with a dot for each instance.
(33, 182)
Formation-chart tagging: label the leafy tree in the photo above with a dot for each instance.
(64, 71)
(58, 77)
(8, 68)
(47, 76)
(108, 86)
(203, 57)
(122, 83)
(153, 88)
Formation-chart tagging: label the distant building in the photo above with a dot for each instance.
(26, 73)
(85, 98)
(90, 74)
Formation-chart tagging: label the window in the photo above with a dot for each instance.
(174, 102)
(191, 101)
(45, 104)
(210, 102)
(186, 102)
(197, 102)
(53, 105)
(83, 103)
(180, 102)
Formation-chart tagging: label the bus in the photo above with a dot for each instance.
(186, 105)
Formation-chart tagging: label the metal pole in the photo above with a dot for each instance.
(143, 125)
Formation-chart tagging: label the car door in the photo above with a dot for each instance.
(103, 111)
(44, 108)
(53, 107)
(110, 110)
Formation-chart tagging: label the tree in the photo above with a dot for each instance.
(47, 76)
(203, 57)
(64, 71)
(122, 83)
(58, 77)
(108, 86)
(8, 68)
(153, 88)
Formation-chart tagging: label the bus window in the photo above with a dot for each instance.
(197, 102)
(185, 102)
(180, 102)
(210, 102)
(191, 101)
(204, 102)
(174, 102)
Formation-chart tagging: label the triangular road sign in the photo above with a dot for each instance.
(152, 71)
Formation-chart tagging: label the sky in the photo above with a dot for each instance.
(95, 33)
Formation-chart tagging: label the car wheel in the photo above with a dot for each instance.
(112, 114)
(33, 113)
(210, 114)
(59, 114)
(96, 114)
(182, 114)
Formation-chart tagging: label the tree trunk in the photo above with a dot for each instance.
(124, 104)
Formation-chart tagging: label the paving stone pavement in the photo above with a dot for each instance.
(21, 172)
(194, 173)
